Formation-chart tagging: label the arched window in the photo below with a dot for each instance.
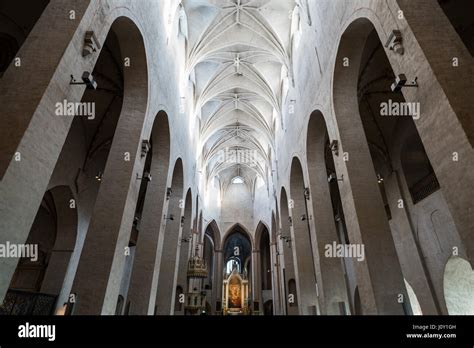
(238, 180)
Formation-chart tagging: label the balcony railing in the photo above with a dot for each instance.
(424, 188)
(18, 302)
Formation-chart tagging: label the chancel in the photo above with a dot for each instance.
(236, 157)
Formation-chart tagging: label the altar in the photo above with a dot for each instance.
(235, 294)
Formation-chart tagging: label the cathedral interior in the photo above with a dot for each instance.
(236, 157)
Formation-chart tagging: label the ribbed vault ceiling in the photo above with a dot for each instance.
(238, 55)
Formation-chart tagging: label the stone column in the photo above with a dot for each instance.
(256, 279)
(169, 256)
(218, 281)
(408, 250)
(445, 96)
(289, 273)
(303, 259)
(45, 55)
(142, 293)
(331, 282)
(182, 262)
(282, 284)
(276, 281)
(100, 268)
(379, 276)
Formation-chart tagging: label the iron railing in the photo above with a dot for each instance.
(18, 302)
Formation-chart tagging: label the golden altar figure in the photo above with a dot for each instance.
(235, 294)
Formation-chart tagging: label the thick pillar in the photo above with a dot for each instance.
(100, 269)
(24, 179)
(408, 250)
(331, 282)
(445, 96)
(303, 252)
(218, 281)
(142, 292)
(289, 274)
(379, 276)
(329, 270)
(169, 250)
(281, 272)
(276, 281)
(182, 263)
(256, 280)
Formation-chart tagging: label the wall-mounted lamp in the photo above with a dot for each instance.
(290, 220)
(87, 79)
(91, 44)
(169, 191)
(379, 178)
(186, 240)
(99, 176)
(334, 146)
(136, 221)
(286, 239)
(401, 82)
(146, 176)
(303, 217)
(307, 193)
(333, 177)
(145, 147)
(395, 42)
(182, 220)
(171, 217)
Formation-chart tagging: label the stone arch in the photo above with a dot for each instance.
(264, 268)
(446, 94)
(212, 253)
(169, 248)
(285, 241)
(66, 236)
(245, 246)
(113, 215)
(142, 291)
(242, 229)
(459, 286)
(328, 216)
(208, 252)
(212, 230)
(303, 246)
(185, 242)
(362, 200)
(42, 275)
(261, 229)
